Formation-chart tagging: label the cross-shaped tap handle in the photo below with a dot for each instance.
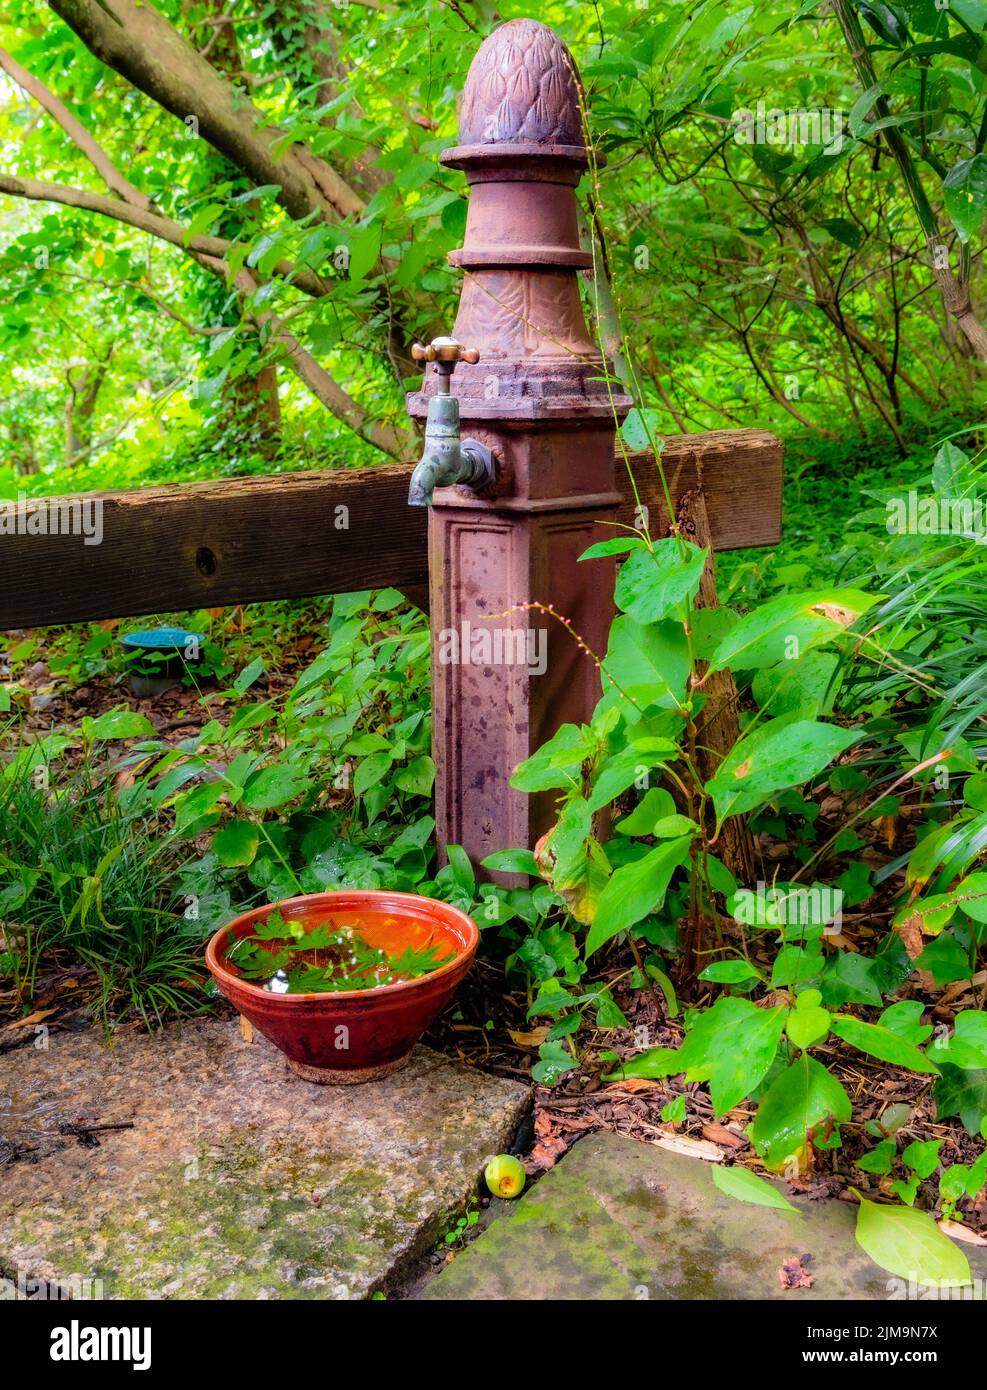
(444, 350)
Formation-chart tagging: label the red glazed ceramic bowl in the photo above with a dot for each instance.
(352, 1035)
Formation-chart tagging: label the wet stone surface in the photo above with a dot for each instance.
(238, 1179)
(621, 1219)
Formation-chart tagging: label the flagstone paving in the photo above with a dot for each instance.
(621, 1219)
(238, 1179)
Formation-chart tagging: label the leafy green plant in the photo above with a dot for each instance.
(638, 760)
(961, 1180)
(87, 875)
(464, 1224)
(921, 1158)
(291, 958)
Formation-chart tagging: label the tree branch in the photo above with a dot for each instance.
(155, 223)
(76, 132)
(138, 42)
(397, 443)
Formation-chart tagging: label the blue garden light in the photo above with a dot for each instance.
(157, 657)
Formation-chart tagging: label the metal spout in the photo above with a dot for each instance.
(445, 459)
(424, 481)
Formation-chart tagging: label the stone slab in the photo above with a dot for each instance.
(238, 1180)
(621, 1219)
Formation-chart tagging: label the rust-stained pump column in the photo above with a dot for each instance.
(524, 492)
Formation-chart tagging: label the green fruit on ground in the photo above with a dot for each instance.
(505, 1176)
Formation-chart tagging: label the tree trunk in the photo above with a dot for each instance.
(84, 382)
(718, 724)
(23, 456)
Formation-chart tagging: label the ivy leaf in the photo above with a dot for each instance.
(905, 1019)
(965, 195)
(795, 965)
(634, 890)
(808, 1023)
(787, 627)
(236, 844)
(880, 1159)
(963, 1093)
(657, 583)
(946, 959)
(967, 1047)
(748, 1187)
(799, 1099)
(908, 1243)
(879, 1041)
(849, 979)
(732, 1047)
(922, 1156)
(784, 753)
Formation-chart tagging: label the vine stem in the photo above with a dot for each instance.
(580, 641)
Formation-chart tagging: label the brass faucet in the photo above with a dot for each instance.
(445, 458)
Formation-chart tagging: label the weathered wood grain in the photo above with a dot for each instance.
(244, 540)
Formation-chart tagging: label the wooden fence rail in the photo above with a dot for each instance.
(244, 540)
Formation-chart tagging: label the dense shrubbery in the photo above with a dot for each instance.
(812, 891)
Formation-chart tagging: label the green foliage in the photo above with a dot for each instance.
(772, 278)
(909, 1243)
(90, 874)
(345, 960)
(748, 1187)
